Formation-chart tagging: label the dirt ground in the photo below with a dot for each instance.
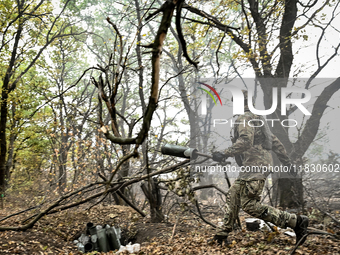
(54, 234)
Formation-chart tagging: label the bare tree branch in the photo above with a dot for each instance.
(312, 124)
(180, 34)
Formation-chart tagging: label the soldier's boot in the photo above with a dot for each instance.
(301, 228)
(220, 239)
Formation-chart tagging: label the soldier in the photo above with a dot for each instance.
(252, 146)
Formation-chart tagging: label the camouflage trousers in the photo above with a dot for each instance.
(247, 195)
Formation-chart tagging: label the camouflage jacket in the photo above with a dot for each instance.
(248, 143)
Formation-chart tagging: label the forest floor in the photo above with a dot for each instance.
(54, 234)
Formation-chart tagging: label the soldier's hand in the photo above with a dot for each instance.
(218, 156)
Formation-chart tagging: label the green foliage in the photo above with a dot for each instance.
(181, 184)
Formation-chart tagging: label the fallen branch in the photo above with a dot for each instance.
(312, 231)
(53, 208)
(62, 208)
(201, 216)
(173, 231)
(44, 212)
(20, 212)
(223, 192)
(130, 204)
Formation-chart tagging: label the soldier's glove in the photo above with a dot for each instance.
(218, 156)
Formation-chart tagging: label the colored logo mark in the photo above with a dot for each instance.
(209, 93)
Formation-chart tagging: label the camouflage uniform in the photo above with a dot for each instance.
(248, 147)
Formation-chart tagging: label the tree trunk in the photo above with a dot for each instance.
(124, 172)
(3, 144)
(286, 192)
(62, 178)
(155, 200)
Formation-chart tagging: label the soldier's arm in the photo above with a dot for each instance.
(280, 151)
(245, 139)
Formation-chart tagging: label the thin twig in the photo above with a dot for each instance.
(201, 216)
(209, 186)
(173, 231)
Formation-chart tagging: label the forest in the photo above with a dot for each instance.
(112, 114)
